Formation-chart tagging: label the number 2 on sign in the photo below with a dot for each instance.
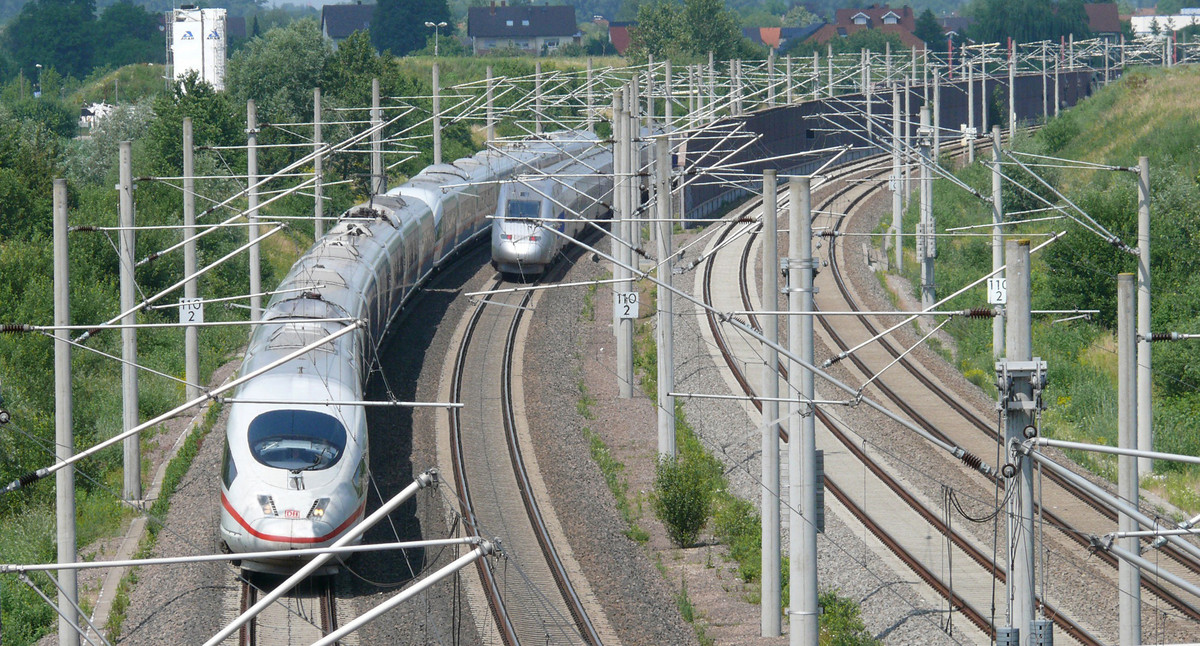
(997, 291)
(191, 310)
(625, 304)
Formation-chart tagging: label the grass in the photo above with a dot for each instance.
(589, 304)
(689, 614)
(611, 468)
(465, 69)
(614, 476)
(1151, 113)
(125, 84)
(736, 522)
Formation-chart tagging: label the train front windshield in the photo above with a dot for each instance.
(297, 440)
(522, 209)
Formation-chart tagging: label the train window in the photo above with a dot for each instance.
(296, 440)
(228, 468)
(521, 209)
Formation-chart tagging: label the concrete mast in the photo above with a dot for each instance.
(252, 210)
(191, 341)
(132, 447)
(64, 433)
(771, 591)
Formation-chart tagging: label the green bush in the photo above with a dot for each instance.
(683, 497)
(738, 525)
(841, 622)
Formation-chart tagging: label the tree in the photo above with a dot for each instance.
(760, 18)
(712, 28)
(279, 71)
(130, 34)
(799, 16)
(659, 32)
(398, 26)
(928, 30)
(28, 164)
(687, 32)
(53, 32)
(1173, 7)
(1027, 21)
(213, 121)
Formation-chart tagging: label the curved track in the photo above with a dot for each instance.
(978, 597)
(531, 596)
(1068, 522)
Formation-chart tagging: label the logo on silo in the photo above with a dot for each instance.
(213, 35)
(187, 35)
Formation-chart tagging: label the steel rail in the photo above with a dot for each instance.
(1172, 598)
(923, 572)
(562, 580)
(491, 589)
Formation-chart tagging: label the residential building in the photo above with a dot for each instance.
(779, 37)
(536, 29)
(899, 21)
(1104, 20)
(619, 36)
(338, 21)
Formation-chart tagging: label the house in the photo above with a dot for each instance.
(619, 36)
(338, 21)
(956, 26)
(899, 21)
(778, 37)
(1104, 21)
(535, 29)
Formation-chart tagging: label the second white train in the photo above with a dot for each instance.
(565, 197)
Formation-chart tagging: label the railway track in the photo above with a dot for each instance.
(989, 431)
(985, 431)
(303, 616)
(530, 593)
(979, 595)
(1073, 522)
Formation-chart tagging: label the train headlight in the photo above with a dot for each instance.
(318, 509)
(268, 505)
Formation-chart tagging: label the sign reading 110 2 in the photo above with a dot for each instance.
(191, 310)
(997, 290)
(625, 305)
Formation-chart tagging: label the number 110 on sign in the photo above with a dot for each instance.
(191, 310)
(625, 305)
(997, 291)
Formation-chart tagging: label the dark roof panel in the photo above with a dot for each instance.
(235, 27)
(1103, 18)
(521, 22)
(338, 21)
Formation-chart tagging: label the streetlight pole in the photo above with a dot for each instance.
(437, 27)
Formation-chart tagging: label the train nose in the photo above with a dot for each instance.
(292, 533)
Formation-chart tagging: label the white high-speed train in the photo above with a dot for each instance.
(295, 467)
(568, 193)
